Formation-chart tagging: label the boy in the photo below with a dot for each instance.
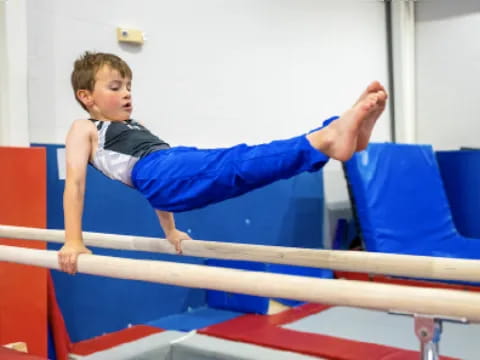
(183, 178)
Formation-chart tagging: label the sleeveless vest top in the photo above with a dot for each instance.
(120, 145)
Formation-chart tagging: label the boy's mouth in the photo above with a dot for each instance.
(127, 106)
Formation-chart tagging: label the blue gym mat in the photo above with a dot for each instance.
(401, 205)
(194, 319)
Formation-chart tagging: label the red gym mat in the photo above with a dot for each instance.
(267, 331)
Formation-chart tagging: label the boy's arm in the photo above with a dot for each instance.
(78, 150)
(173, 235)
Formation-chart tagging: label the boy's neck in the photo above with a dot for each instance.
(93, 117)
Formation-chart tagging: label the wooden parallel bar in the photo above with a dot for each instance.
(374, 263)
(425, 301)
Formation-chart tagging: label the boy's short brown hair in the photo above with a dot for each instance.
(86, 66)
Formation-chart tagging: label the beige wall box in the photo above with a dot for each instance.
(133, 36)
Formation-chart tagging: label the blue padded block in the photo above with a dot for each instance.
(257, 304)
(460, 172)
(237, 302)
(194, 319)
(401, 203)
(300, 271)
(341, 235)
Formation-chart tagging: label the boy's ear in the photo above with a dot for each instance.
(85, 96)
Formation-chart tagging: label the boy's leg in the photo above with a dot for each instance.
(183, 179)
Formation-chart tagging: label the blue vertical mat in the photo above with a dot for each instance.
(460, 172)
(286, 213)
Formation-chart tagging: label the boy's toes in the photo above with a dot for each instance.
(374, 87)
(370, 101)
(382, 96)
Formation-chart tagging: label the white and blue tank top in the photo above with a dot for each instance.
(120, 145)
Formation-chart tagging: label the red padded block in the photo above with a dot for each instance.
(294, 314)
(23, 289)
(8, 354)
(385, 279)
(266, 331)
(108, 341)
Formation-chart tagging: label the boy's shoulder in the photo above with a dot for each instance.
(82, 126)
(82, 123)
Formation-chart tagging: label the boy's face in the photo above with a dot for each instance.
(111, 98)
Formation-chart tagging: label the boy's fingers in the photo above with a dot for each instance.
(178, 246)
(179, 243)
(67, 264)
(63, 263)
(73, 263)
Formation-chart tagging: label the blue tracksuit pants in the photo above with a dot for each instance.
(187, 178)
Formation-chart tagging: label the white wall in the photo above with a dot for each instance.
(448, 73)
(13, 74)
(212, 72)
(215, 72)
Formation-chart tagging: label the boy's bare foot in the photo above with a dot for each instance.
(369, 123)
(339, 140)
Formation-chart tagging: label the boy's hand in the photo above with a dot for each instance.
(68, 255)
(175, 238)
